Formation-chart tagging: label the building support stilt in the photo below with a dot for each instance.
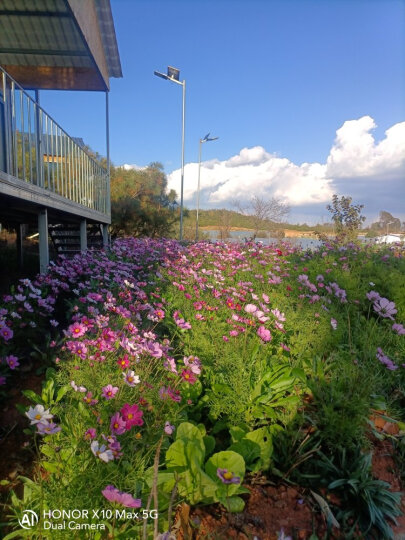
(20, 244)
(43, 241)
(83, 235)
(105, 235)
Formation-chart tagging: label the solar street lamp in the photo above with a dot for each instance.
(207, 138)
(173, 74)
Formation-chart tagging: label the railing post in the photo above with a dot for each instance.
(83, 235)
(38, 131)
(43, 241)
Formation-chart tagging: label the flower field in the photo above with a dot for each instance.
(187, 374)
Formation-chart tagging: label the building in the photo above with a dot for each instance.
(47, 177)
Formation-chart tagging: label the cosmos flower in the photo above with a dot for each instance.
(38, 414)
(132, 415)
(131, 379)
(109, 391)
(101, 452)
(227, 477)
(47, 428)
(112, 494)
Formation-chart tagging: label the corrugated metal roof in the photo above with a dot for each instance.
(43, 33)
(108, 37)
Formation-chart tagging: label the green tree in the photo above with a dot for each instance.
(346, 217)
(140, 202)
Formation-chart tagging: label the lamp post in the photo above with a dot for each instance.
(173, 74)
(207, 138)
(388, 224)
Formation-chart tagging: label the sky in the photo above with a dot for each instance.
(307, 98)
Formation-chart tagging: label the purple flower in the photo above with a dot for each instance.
(12, 361)
(385, 308)
(389, 364)
(112, 494)
(48, 428)
(264, 334)
(109, 391)
(399, 329)
(373, 296)
(333, 323)
(6, 333)
(227, 477)
(102, 452)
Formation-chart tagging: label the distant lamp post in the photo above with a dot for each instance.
(207, 138)
(173, 74)
(388, 224)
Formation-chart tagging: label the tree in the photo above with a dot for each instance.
(263, 211)
(140, 203)
(346, 217)
(387, 222)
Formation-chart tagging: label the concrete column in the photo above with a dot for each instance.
(20, 247)
(43, 241)
(105, 235)
(83, 235)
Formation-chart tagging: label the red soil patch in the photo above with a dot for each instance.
(270, 509)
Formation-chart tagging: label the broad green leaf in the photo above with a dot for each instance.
(209, 443)
(248, 449)
(263, 438)
(233, 504)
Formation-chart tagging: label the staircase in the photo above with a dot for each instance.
(66, 238)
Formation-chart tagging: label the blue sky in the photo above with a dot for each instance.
(277, 75)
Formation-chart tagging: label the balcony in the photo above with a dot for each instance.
(41, 164)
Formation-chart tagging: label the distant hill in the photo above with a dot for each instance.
(216, 218)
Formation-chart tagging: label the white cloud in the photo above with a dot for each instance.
(357, 165)
(128, 167)
(356, 154)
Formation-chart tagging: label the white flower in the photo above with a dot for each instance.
(130, 378)
(38, 414)
(101, 452)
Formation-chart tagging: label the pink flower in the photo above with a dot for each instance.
(333, 323)
(130, 378)
(77, 330)
(169, 429)
(264, 334)
(193, 363)
(250, 308)
(118, 424)
(109, 391)
(112, 494)
(132, 415)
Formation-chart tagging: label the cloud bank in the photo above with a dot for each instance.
(373, 173)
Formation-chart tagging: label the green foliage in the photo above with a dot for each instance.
(346, 217)
(140, 203)
(196, 482)
(366, 503)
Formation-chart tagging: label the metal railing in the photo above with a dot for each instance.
(39, 152)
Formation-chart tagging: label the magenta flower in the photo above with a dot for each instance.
(118, 424)
(12, 361)
(6, 333)
(227, 477)
(109, 391)
(132, 415)
(123, 362)
(188, 376)
(90, 434)
(385, 308)
(113, 495)
(77, 330)
(264, 334)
